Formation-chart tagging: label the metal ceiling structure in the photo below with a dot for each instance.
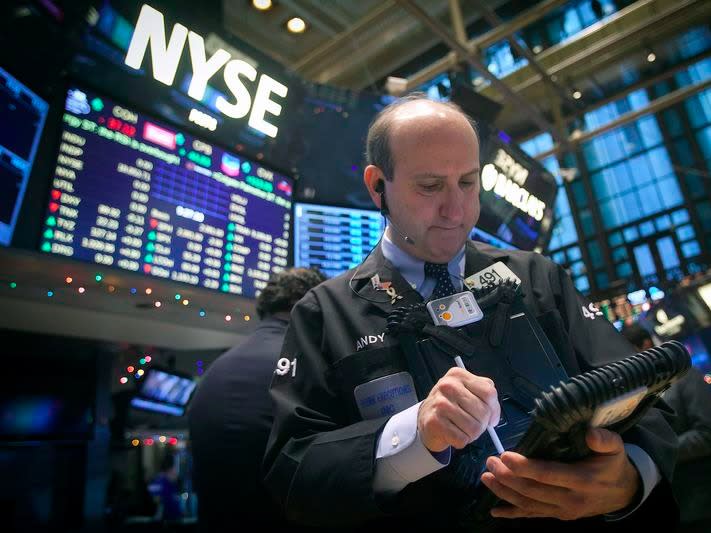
(357, 45)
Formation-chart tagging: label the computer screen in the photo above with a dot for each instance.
(334, 239)
(164, 391)
(22, 117)
(131, 192)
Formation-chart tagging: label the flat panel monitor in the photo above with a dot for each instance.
(517, 195)
(132, 192)
(334, 239)
(164, 391)
(22, 117)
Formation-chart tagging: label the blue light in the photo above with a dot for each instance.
(50, 293)
(202, 312)
(133, 290)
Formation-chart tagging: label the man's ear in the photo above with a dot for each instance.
(372, 175)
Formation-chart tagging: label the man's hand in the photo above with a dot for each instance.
(457, 410)
(603, 483)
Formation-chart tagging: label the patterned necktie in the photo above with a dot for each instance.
(439, 272)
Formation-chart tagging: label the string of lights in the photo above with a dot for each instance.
(88, 286)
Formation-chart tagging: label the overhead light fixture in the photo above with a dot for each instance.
(577, 94)
(537, 49)
(296, 25)
(651, 57)
(262, 5)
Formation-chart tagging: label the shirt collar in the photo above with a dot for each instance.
(412, 268)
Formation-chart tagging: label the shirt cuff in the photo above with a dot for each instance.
(400, 457)
(649, 474)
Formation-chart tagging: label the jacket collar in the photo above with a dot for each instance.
(478, 257)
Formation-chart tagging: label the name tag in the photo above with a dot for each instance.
(496, 273)
(385, 396)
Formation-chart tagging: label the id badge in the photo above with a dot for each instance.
(385, 396)
(455, 310)
(496, 273)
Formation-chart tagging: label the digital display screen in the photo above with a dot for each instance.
(164, 392)
(517, 196)
(131, 192)
(22, 116)
(334, 239)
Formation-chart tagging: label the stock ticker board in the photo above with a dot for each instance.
(131, 192)
(334, 239)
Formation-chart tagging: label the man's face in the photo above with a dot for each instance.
(434, 194)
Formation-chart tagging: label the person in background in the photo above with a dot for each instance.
(690, 397)
(230, 415)
(165, 491)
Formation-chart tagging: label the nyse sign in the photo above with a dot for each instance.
(165, 56)
(507, 180)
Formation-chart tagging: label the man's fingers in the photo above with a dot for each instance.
(526, 505)
(604, 442)
(546, 472)
(535, 490)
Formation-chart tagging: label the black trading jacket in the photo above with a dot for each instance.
(320, 458)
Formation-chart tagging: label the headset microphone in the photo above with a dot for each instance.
(380, 188)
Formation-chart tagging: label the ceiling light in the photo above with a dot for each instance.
(296, 25)
(651, 57)
(577, 94)
(262, 5)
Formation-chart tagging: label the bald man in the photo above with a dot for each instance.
(337, 456)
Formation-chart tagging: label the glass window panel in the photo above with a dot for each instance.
(704, 138)
(644, 259)
(690, 249)
(602, 279)
(624, 270)
(670, 192)
(630, 234)
(615, 239)
(628, 207)
(683, 152)
(649, 198)
(673, 122)
(600, 187)
(699, 108)
(631, 140)
(619, 253)
(571, 22)
(577, 268)
(680, 216)
(695, 185)
(595, 254)
(581, 199)
(582, 284)
(586, 221)
(640, 169)
(667, 253)
(559, 257)
(562, 206)
(638, 99)
(649, 131)
(614, 143)
(684, 233)
(663, 222)
(646, 228)
(574, 253)
(609, 214)
(590, 154)
(622, 176)
(660, 162)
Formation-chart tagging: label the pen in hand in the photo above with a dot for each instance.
(490, 429)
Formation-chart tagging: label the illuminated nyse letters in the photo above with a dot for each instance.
(150, 29)
(509, 186)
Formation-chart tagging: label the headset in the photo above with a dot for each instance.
(380, 189)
